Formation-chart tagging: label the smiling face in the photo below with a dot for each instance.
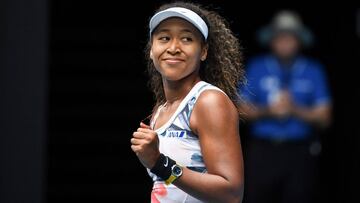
(177, 49)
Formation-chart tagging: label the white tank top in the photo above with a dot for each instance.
(177, 141)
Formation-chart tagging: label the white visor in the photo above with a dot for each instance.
(180, 12)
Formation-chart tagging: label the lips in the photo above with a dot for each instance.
(173, 60)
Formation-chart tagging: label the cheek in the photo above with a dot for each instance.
(195, 58)
(155, 52)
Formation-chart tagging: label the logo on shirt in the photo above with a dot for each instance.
(176, 133)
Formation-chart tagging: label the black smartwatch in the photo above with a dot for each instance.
(176, 172)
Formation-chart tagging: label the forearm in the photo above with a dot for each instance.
(209, 187)
(320, 116)
(254, 112)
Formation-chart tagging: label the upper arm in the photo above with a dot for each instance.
(321, 92)
(249, 89)
(215, 121)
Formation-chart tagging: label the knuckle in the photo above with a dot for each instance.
(150, 139)
(146, 140)
(154, 136)
(151, 134)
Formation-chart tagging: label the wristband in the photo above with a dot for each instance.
(162, 167)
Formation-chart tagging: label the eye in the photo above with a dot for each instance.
(187, 39)
(164, 38)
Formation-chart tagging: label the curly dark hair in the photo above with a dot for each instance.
(224, 64)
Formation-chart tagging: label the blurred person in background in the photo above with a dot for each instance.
(287, 100)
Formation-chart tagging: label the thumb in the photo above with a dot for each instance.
(143, 125)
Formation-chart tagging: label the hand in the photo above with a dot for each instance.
(282, 106)
(145, 143)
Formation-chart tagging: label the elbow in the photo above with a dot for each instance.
(235, 199)
(236, 189)
(325, 122)
(325, 117)
(236, 193)
(238, 196)
(232, 194)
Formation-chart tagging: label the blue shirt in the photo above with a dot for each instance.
(304, 79)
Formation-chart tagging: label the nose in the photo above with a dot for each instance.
(174, 47)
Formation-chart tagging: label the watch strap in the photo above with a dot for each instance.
(170, 180)
(173, 176)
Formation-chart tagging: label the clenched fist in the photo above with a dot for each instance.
(145, 143)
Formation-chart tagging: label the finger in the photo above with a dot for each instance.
(136, 141)
(143, 125)
(140, 135)
(145, 138)
(136, 148)
(147, 134)
(146, 130)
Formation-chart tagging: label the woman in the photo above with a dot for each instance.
(192, 146)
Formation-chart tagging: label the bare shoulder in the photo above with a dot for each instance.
(213, 107)
(214, 100)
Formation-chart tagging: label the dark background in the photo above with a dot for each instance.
(74, 88)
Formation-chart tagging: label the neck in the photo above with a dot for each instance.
(177, 90)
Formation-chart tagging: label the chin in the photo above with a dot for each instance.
(172, 77)
(174, 73)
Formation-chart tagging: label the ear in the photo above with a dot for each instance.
(151, 55)
(204, 52)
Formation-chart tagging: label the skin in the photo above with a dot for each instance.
(177, 49)
(285, 46)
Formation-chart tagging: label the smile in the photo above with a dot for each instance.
(173, 60)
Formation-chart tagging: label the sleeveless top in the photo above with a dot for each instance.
(177, 141)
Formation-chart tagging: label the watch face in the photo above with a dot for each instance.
(177, 170)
